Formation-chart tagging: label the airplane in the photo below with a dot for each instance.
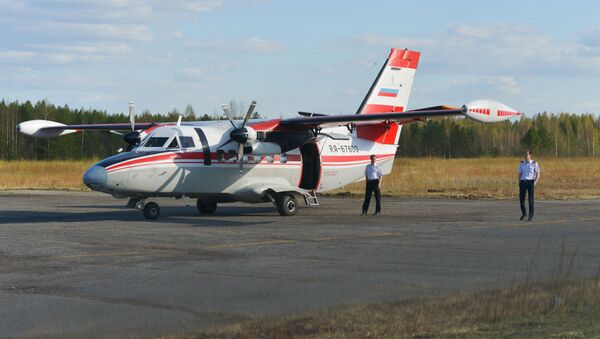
(282, 161)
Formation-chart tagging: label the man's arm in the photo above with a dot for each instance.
(519, 174)
(537, 174)
(380, 176)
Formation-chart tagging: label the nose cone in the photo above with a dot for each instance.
(95, 178)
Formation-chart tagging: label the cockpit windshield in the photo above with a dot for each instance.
(169, 138)
(155, 142)
(174, 143)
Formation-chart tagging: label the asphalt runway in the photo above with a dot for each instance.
(83, 265)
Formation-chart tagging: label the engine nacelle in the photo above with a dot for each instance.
(488, 111)
(265, 148)
(35, 128)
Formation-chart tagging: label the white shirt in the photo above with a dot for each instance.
(373, 172)
(529, 170)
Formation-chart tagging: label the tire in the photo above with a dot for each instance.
(151, 211)
(287, 205)
(206, 207)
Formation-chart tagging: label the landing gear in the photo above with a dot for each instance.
(151, 211)
(287, 205)
(132, 202)
(206, 207)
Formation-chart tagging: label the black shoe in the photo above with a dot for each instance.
(523, 216)
(363, 213)
(376, 213)
(530, 217)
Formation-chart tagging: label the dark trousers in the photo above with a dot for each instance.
(529, 187)
(372, 187)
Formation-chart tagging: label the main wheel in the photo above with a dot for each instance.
(151, 211)
(206, 207)
(286, 205)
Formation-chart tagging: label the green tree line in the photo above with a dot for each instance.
(560, 135)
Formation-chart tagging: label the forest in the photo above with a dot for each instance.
(546, 134)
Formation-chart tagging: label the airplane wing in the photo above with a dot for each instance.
(46, 128)
(339, 120)
(479, 110)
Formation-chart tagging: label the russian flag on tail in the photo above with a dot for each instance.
(388, 92)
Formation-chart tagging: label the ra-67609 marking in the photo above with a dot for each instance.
(339, 148)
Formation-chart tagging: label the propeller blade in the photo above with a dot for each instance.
(250, 111)
(225, 143)
(132, 115)
(241, 156)
(228, 114)
(115, 132)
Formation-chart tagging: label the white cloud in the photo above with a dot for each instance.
(95, 48)
(8, 55)
(259, 45)
(498, 49)
(106, 31)
(202, 6)
(504, 84)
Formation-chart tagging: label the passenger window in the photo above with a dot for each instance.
(220, 155)
(283, 158)
(174, 143)
(269, 159)
(187, 142)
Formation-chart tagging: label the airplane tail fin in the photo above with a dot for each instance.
(389, 93)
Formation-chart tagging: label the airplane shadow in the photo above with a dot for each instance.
(177, 215)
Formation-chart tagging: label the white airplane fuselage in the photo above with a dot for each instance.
(336, 157)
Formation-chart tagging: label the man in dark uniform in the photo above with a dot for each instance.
(373, 175)
(529, 174)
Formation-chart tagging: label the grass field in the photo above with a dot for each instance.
(558, 309)
(59, 175)
(562, 178)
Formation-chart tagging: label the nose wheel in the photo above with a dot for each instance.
(287, 205)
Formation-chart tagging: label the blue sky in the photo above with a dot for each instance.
(297, 55)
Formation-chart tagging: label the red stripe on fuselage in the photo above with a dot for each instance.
(193, 157)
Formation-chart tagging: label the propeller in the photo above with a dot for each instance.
(133, 137)
(240, 134)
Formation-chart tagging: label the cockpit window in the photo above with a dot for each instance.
(174, 143)
(155, 142)
(187, 142)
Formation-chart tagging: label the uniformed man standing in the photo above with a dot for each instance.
(374, 176)
(529, 174)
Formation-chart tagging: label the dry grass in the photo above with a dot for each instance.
(58, 174)
(527, 311)
(574, 178)
(561, 178)
(561, 306)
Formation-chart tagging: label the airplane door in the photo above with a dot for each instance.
(311, 166)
